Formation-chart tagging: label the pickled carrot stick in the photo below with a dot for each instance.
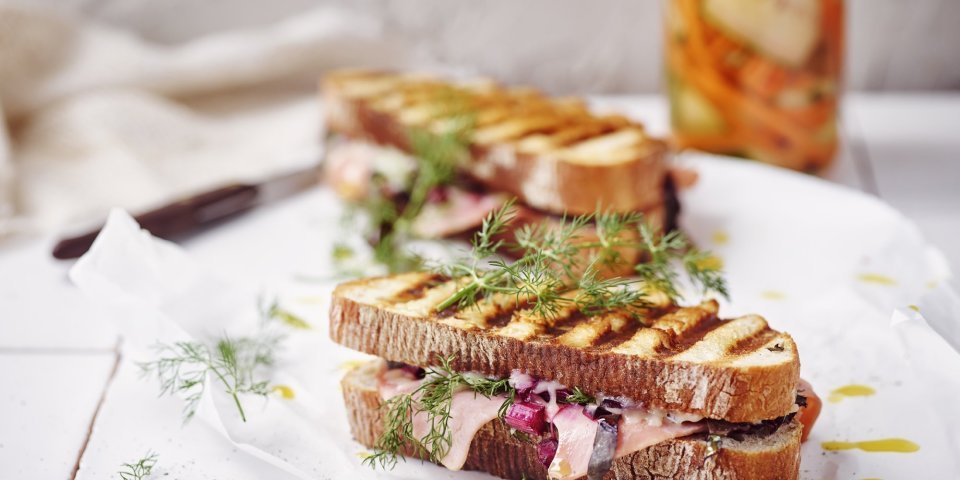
(812, 115)
(762, 77)
(832, 29)
(714, 143)
(726, 96)
(695, 35)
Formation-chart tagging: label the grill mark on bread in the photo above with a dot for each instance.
(416, 291)
(669, 333)
(718, 343)
(611, 339)
(562, 325)
(753, 343)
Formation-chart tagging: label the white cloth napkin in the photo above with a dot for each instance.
(106, 119)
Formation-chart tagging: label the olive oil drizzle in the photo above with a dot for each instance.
(886, 445)
(846, 391)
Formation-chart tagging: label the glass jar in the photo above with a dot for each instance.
(756, 78)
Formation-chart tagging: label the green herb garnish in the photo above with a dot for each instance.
(232, 362)
(140, 469)
(434, 399)
(580, 397)
(556, 260)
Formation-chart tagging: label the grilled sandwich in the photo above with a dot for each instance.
(661, 391)
(552, 154)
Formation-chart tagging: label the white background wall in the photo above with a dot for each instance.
(567, 45)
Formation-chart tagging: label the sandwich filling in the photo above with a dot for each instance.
(575, 434)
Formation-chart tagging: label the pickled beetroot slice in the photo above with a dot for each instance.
(546, 450)
(527, 417)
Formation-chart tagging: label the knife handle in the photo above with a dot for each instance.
(175, 218)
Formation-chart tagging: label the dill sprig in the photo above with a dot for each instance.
(186, 367)
(140, 469)
(702, 268)
(434, 399)
(581, 397)
(554, 260)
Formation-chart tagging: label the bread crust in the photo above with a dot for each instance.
(712, 390)
(542, 181)
(494, 450)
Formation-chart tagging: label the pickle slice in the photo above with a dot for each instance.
(784, 30)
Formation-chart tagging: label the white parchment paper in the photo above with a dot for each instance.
(865, 297)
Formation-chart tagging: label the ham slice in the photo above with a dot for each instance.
(348, 168)
(462, 211)
(575, 432)
(469, 411)
(639, 431)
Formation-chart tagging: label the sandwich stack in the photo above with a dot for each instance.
(685, 393)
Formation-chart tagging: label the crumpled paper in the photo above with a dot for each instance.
(865, 297)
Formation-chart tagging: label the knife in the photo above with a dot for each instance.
(204, 209)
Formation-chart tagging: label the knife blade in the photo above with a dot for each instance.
(203, 209)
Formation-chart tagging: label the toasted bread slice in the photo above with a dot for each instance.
(494, 450)
(680, 359)
(553, 154)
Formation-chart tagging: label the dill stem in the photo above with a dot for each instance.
(236, 400)
(232, 390)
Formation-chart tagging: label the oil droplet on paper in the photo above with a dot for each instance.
(773, 295)
(850, 391)
(284, 391)
(877, 279)
(720, 238)
(350, 365)
(891, 445)
(710, 262)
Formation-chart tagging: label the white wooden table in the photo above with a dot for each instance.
(62, 406)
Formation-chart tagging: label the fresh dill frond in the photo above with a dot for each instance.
(186, 367)
(706, 271)
(596, 295)
(140, 469)
(658, 272)
(702, 268)
(553, 259)
(398, 431)
(560, 257)
(434, 399)
(580, 397)
(614, 233)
